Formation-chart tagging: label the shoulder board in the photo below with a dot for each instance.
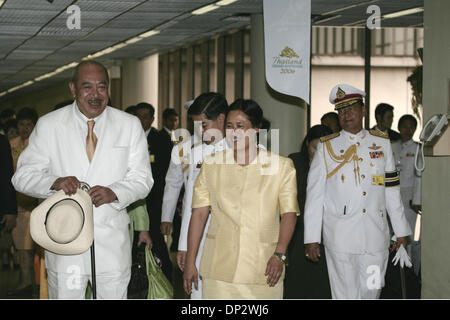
(379, 134)
(330, 136)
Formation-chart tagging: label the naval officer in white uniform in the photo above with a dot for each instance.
(352, 185)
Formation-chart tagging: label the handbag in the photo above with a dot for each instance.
(138, 285)
(159, 286)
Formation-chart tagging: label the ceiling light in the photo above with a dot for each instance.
(148, 33)
(205, 9)
(325, 19)
(26, 84)
(348, 7)
(402, 13)
(355, 23)
(133, 40)
(2, 2)
(225, 2)
(45, 76)
(3, 93)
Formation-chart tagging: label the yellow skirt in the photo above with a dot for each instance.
(215, 289)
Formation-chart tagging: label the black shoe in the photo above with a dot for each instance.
(22, 292)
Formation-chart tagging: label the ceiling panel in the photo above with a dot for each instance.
(35, 38)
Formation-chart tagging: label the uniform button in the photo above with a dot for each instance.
(364, 210)
(364, 193)
(363, 176)
(358, 144)
(361, 159)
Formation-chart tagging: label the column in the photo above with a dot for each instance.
(140, 82)
(436, 177)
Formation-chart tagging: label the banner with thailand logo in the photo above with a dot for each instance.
(287, 37)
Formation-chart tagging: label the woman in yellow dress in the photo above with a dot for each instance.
(252, 197)
(26, 120)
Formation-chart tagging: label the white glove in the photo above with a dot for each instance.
(403, 257)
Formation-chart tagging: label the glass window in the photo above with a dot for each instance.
(184, 87)
(247, 61)
(197, 70)
(212, 65)
(171, 82)
(229, 68)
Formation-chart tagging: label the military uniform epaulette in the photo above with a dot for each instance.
(379, 134)
(329, 137)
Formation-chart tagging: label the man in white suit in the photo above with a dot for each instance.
(110, 154)
(352, 185)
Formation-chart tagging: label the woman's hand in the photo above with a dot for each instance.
(274, 270)
(190, 274)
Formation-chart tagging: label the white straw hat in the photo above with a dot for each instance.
(64, 224)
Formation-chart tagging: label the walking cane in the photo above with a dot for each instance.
(86, 187)
(403, 281)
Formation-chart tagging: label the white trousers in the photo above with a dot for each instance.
(197, 294)
(356, 276)
(73, 286)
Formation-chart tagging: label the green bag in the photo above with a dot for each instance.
(159, 286)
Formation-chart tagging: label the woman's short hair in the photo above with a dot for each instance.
(251, 109)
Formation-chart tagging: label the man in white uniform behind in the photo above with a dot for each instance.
(410, 181)
(210, 109)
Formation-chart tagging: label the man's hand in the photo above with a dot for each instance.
(312, 251)
(68, 184)
(144, 237)
(101, 195)
(181, 259)
(400, 241)
(274, 270)
(166, 227)
(190, 274)
(9, 220)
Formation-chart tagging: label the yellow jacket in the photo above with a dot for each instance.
(246, 203)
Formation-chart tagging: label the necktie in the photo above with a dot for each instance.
(91, 140)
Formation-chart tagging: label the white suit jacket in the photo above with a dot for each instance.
(352, 185)
(57, 149)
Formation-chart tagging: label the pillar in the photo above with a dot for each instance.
(436, 177)
(140, 82)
